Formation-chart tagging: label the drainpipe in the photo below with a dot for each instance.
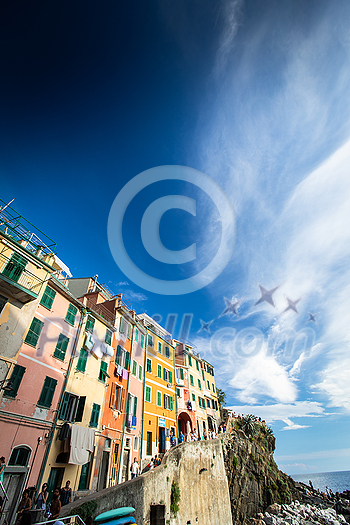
(126, 402)
(43, 466)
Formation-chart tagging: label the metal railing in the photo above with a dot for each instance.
(101, 310)
(69, 520)
(20, 275)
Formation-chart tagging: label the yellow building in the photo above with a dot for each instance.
(73, 449)
(211, 397)
(159, 420)
(196, 385)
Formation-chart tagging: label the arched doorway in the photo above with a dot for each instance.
(185, 423)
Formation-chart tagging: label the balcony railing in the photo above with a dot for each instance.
(16, 275)
(101, 310)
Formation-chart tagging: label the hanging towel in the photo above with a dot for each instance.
(119, 370)
(125, 373)
(81, 444)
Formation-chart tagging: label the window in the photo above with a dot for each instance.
(48, 297)
(71, 314)
(168, 402)
(61, 347)
(199, 384)
(148, 394)
(168, 376)
(129, 331)
(95, 412)
(203, 375)
(181, 373)
(213, 404)
(108, 337)
(136, 443)
(140, 372)
(159, 371)
(216, 405)
(134, 367)
(122, 357)
(34, 332)
(47, 392)
(208, 384)
(167, 352)
(81, 365)
(208, 403)
(159, 347)
(191, 380)
(90, 323)
(15, 267)
(213, 387)
(149, 365)
(116, 396)
(159, 399)
(150, 340)
(197, 365)
(72, 407)
(103, 372)
(136, 335)
(15, 380)
(20, 456)
(178, 392)
(193, 398)
(142, 341)
(190, 360)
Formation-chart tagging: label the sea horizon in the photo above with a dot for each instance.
(337, 481)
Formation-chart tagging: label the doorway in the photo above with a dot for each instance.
(161, 442)
(102, 481)
(126, 461)
(55, 480)
(149, 444)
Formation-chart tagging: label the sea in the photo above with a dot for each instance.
(336, 481)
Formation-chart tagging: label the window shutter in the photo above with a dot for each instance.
(171, 402)
(113, 393)
(64, 406)
(170, 377)
(71, 314)
(61, 347)
(119, 353)
(81, 364)
(94, 415)
(47, 392)
(34, 332)
(164, 374)
(16, 378)
(127, 407)
(135, 406)
(80, 409)
(127, 360)
(165, 403)
(181, 373)
(48, 297)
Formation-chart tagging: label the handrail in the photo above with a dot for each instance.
(26, 279)
(76, 520)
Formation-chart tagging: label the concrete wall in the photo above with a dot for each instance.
(199, 470)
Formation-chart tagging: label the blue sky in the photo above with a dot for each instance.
(257, 96)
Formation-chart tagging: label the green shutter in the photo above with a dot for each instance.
(90, 323)
(48, 297)
(197, 365)
(136, 335)
(127, 408)
(127, 360)
(170, 377)
(118, 356)
(164, 396)
(171, 402)
(159, 371)
(81, 365)
(199, 384)
(148, 394)
(159, 399)
(108, 338)
(71, 314)
(103, 371)
(142, 340)
(140, 372)
(135, 406)
(149, 365)
(190, 360)
(34, 332)
(61, 347)
(129, 331)
(15, 380)
(95, 412)
(193, 398)
(191, 379)
(80, 409)
(203, 375)
(14, 268)
(181, 373)
(134, 367)
(64, 406)
(47, 392)
(167, 352)
(164, 374)
(121, 324)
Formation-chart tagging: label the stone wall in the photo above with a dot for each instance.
(198, 470)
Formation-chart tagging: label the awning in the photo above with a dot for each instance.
(63, 266)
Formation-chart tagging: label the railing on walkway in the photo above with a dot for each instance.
(19, 275)
(69, 520)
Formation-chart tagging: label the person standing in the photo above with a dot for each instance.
(135, 469)
(66, 494)
(23, 507)
(40, 502)
(55, 505)
(2, 470)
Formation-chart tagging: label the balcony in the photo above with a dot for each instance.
(16, 281)
(100, 309)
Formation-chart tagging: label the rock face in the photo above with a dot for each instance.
(299, 514)
(254, 480)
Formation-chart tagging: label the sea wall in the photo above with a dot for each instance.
(195, 469)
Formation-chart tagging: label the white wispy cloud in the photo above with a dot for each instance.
(282, 411)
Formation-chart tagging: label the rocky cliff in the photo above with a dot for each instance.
(254, 480)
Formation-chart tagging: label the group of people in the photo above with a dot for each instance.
(194, 436)
(61, 497)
